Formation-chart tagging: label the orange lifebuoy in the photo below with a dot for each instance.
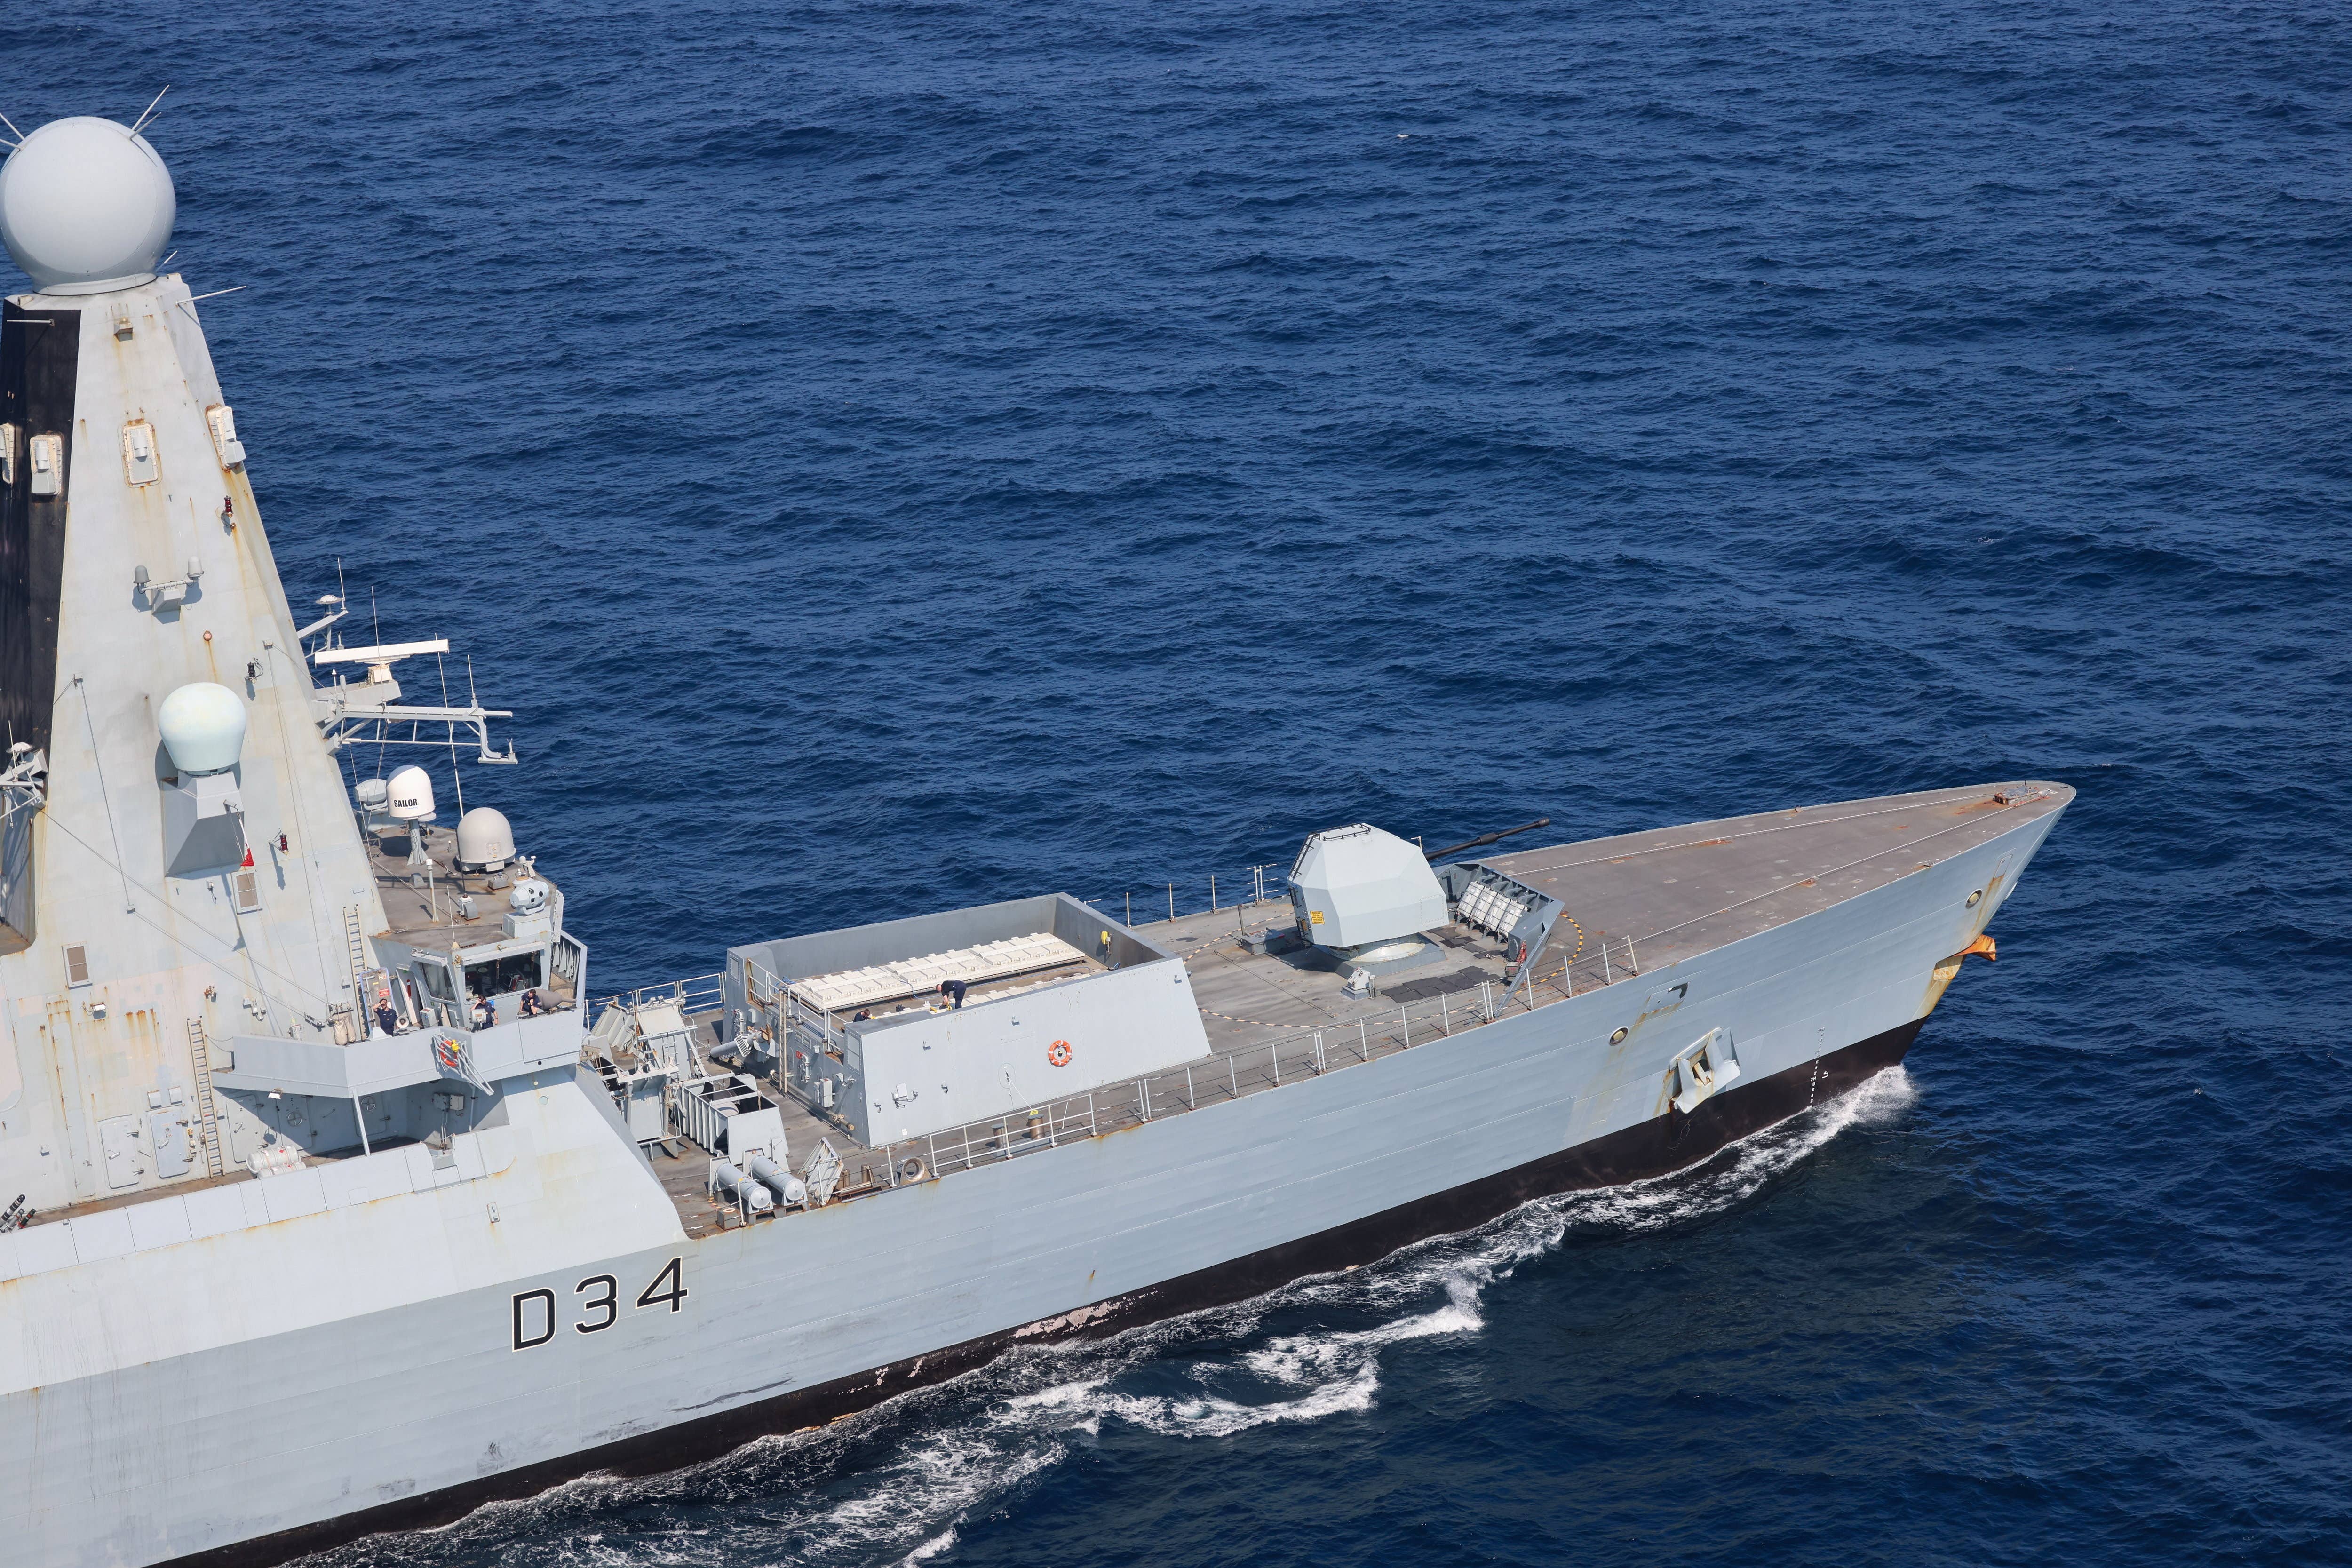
(1059, 1053)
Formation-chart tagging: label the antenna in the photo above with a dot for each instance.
(440, 662)
(12, 126)
(140, 123)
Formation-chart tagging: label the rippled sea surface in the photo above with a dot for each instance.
(891, 456)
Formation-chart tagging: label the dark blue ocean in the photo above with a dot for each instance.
(900, 454)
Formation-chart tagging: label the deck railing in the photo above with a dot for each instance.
(1574, 962)
(1164, 901)
(1254, 884)
(701, 994)
(1252, 889)
(1228, 1073)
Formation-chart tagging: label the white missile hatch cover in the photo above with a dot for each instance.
(203, 728)
(85, 206)
(1357, 885)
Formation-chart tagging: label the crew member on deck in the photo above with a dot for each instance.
(484, 1013)
(954, 988)
(531, 1007)
(386, 1020)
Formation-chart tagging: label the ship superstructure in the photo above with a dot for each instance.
(323, 1141)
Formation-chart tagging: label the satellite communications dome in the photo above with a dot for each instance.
(485, 840)
(85, 206)
(203, 728)
(411, 789)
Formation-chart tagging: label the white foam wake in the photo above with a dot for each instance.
(898, 1484)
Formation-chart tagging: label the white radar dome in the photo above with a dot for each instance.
(85, 206)
(203, 727)
(411, 789)
(485, 840)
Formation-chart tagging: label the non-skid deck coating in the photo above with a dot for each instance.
(685, 1170)
(1675, 891)
(1273, 1018)
(421, 910)
(1672, 893)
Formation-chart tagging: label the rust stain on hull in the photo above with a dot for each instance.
(1945, 972)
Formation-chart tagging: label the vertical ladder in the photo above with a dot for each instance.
(200, 1058)
(357, 945)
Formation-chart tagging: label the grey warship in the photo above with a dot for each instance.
(341, 1202)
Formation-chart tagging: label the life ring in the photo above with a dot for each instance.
(1059, 1053)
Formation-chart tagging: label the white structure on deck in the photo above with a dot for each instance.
(330, 1228)
(1356, 886)
(1043, 1018)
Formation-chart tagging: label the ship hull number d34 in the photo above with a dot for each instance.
(597, 1302)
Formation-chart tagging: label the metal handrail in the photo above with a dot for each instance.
(1233, 1073)
(1229, 1074)
(696, 993)
(1258, 885)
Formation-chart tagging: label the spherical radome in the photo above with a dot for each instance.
(203, 727)
(85, 206)
(485, 837)
(411, 789)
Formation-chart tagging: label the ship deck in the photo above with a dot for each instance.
(423, 903)
(426, 906)
(1633, 904)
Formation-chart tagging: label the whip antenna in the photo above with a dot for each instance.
(140, 123)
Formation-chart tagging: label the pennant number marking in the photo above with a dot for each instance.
(597, 1303)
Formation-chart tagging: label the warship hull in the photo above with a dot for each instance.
(1655, 1149)
(344, 1205)
(644, 1359)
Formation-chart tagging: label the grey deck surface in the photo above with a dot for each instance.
(684, 1168)
(1673, 892)
(1274, 1017)
(427, 917)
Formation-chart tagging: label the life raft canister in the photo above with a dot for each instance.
(1059, 1053)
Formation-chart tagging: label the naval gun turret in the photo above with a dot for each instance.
(1365, 899)
(1364, 896)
